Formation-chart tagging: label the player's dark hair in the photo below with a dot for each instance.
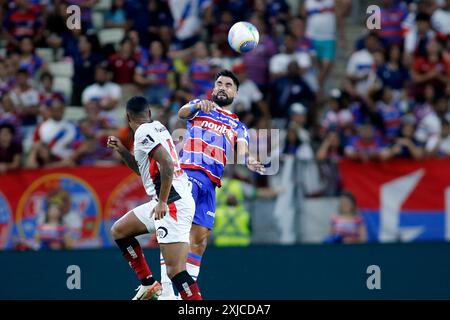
(229, 74)
(137, 105)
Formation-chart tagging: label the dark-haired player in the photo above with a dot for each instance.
(171, 206)
(212, 135)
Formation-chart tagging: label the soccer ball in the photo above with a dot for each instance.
(243, 37)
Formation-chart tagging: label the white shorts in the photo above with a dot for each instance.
(176, 224)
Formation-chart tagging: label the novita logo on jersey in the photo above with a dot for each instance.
(220, 129)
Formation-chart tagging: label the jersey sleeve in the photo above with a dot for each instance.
(191, 103)
(242, 133)
(147, 142)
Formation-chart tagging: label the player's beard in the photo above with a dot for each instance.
(222, 101)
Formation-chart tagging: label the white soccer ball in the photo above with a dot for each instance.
(243, 37)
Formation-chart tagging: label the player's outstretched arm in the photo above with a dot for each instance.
(190, 109)
(128, 158)
(165, 162)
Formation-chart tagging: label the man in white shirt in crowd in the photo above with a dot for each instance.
(54, 140)
(25, 99)
(440, 20)
(279, 62)
(361, 71)
(106, 92)
(325, 25)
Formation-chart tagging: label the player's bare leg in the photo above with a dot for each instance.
(124, 232)
(175, 255)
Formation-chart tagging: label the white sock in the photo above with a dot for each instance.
(193, 265)
(167, 288)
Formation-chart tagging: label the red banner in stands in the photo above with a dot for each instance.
(80, 203)
(402, 200)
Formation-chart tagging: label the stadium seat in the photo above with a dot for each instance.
(46, 54)
(98, 20)
(64, 85)
(103, 5)
(61, 69)
(113, 35)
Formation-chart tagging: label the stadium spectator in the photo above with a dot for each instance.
(189, 16)
(249, 96)
(52, 232)
(390, 110)
(431, 69)
(394, 14)
(329, 153)
(117, 16)
(429, 127)
(149, 18)
(25, 98)
(361, 72)
(220, 33)
(30, 60)
(92, 149)
(153, 74)
(5, 80)
(324, 25)
(366, 145)
(123, 63)
(417, 39)
(279, 62)
(106, 92)
(348, 225)
(405, 145)
(200, 70)
(337, 115)
(257, 61)
(47, 95)
(85, 62)
(101, 122)
(444, 144)
(287, 90)
(54, 140)
(9, 115)
(392, 73)
(10, 150)
(24, 20)
(440, 19)
(55, 26)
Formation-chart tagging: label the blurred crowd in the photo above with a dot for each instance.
(393, 101)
